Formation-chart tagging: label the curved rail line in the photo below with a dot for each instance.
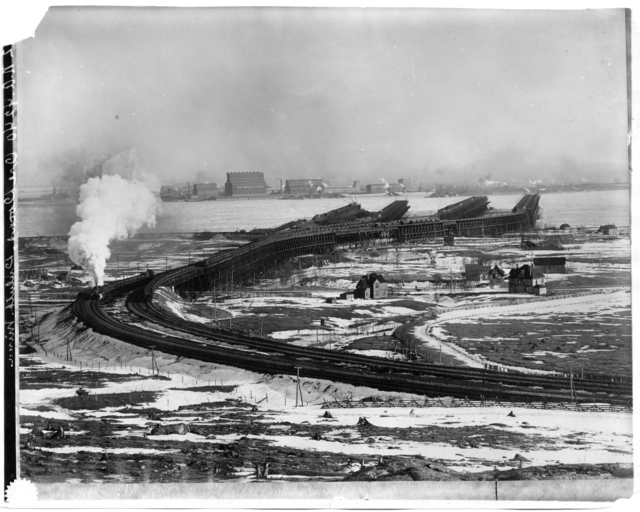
(273, 357)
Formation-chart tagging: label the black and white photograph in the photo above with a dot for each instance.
(276, 252)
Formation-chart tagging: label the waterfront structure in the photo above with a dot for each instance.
(527, 279)
(405, 184)
(608, 229)
(204, 191)
(381, 188)
(245, 184)
(343, 189)
(304, 187)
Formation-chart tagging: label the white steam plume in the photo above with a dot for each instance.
(386, 183)
(112, 207)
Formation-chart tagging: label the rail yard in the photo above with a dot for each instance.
(137, 321)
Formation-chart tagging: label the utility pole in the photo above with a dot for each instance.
(154, 364)
(298, 389)
(571, 380)
(261, 319)
(215, 315)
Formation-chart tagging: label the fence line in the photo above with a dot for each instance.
(495, 402)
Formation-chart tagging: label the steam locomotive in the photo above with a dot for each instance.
(94, 294)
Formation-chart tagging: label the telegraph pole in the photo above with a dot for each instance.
(154, 364)
(571, 380)
(215, 316)
(298, 390)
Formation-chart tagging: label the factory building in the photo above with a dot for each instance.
(204, 191)
(244, 184)
(381, 188)
(405, 184)
(608, 229)
(304, 187)
(375, 188)
(343, 189)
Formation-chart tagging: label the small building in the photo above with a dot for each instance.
(496, 277)
(540, 289)
(449, 240)
(475, 273)
(362, 290)
(551, 265)
(378, 286)
(608, 229)
(347, 296)
(204, 191)
(372, 286)
(304, 187)
(525, 278)
(245, 184)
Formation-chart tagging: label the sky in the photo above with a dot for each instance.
(429, 95)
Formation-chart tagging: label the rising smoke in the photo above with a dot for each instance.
(113, 206)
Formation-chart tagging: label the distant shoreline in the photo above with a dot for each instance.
(447, 191)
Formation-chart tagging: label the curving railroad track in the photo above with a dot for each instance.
(186, 339)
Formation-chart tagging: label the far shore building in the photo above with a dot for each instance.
(551, 265)
(204, 191)
(304, 187)
(245, 184)
(343, 189)
(405, 184)
(527, 279)
(608, 229)
(381, 188)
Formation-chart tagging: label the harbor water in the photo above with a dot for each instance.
(593, 208)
